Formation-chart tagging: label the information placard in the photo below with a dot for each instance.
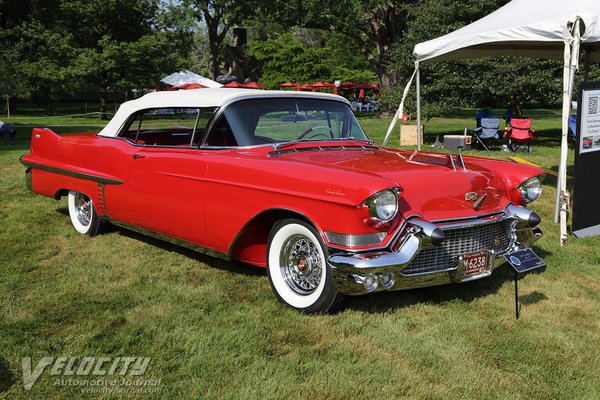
(586, 186)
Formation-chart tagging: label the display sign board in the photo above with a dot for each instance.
(586, 186)
(524, 260)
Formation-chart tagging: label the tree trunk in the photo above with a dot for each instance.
(516, 105)
(13, 101)
(385, 78)
(49, 105)
(213, 58)
(7, 106)
(103, 115)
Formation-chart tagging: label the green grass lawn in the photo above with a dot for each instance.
(214, 330)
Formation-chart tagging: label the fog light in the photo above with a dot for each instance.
(387, 280)
(370, 282)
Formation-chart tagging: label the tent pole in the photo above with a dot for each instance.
(399, 112)
(561, 166)
(419, 132)
(571, 65)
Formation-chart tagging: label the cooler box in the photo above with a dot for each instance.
(453, 142)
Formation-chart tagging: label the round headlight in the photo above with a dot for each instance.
(384, 205)
(531, 189)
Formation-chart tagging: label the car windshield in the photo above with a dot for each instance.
(280, 120)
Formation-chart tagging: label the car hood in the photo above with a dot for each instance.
(431, 187)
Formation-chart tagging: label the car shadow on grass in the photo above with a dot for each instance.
(464, 292)
(379, 302)
(213, 262)
(7, 379)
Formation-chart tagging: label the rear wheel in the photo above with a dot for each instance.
(83, 215)
(297, 268)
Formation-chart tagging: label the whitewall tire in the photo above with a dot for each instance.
(297, 268)
(83, 214)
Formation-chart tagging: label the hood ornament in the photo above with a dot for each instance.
(474, 197)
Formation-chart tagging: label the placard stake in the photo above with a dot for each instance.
(517, 294)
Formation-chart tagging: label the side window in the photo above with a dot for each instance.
(221, 135)
(167, 126)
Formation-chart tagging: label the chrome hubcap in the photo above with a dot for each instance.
(83, 209)
(301, 264)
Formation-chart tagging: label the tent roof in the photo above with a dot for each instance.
(521, 28)
(183, 77)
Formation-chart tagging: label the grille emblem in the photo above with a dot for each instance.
(471, 196)
(498, 240)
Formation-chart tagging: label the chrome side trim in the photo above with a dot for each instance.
(350, 240)
(66, 172)
(171, 239)
(102, 199)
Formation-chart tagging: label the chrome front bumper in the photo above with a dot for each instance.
(361, 273)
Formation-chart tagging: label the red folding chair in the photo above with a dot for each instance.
(519, 132)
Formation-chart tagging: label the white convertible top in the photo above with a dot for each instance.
(197, 98)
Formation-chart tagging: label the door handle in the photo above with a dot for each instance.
(136, 156)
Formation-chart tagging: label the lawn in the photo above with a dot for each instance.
(214, 330)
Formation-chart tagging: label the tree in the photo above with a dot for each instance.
(374, 25)
(486, 82)
(116, 45)
(285, 57)
(218, 16)
(26, 48)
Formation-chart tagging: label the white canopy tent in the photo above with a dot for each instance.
(552, 29)
(183, 77)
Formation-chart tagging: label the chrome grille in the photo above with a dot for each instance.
(493, 236)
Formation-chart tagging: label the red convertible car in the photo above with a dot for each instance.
(289, 181)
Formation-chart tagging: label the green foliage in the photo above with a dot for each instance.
(487, 82)
(286, 58)
(86, 46)
(373, 25)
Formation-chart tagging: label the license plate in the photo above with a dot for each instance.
(475, 263)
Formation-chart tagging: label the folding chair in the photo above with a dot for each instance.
(7, 133)
(519, 131)
(489, 129)
(483, 113)
(573, 126)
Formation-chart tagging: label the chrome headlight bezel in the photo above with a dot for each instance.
(383, 205)
(531, 189)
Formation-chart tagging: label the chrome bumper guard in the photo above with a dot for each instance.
(28, 180)
(361, 273)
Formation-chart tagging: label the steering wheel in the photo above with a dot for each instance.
(309, 130)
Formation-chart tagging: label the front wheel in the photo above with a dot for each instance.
(297, 268)
(83, 215)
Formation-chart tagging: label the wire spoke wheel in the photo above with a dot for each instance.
(83, 215)
(300, 264)
(83, 206)
(298, 270)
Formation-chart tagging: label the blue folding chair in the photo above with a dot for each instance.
(573, 126)
(483, 113)
(489, 130)
(7, 133)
